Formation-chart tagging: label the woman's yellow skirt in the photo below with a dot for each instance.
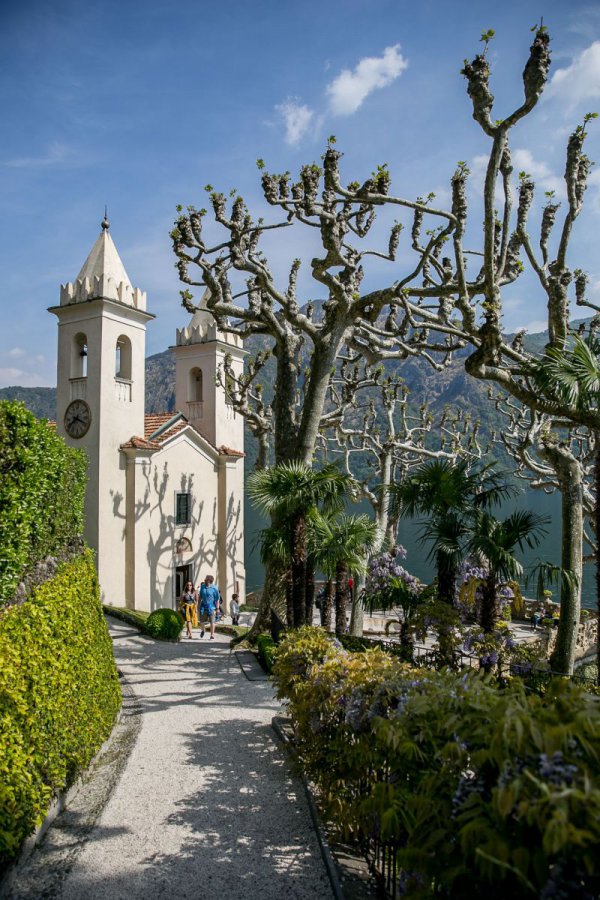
(190, 613)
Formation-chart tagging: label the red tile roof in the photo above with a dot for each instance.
(155, 421)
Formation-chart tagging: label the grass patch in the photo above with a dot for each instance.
(135, 617)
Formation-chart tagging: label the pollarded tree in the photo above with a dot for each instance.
(371, 427)
(553, 455)
(430, 309)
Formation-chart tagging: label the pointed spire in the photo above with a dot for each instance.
(103, 275)
(104, 259)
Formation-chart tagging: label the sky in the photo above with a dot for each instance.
(140, 105)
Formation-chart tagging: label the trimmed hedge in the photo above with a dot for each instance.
(134, 617)
(267, 649)
(164, 624)
(42, 489)
(476, 790)
(59, 695)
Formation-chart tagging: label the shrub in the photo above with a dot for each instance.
(165, 624)
(267, 649)
(42, 488)
(480, 791)
(59, 695)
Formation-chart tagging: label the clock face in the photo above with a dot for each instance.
(78, 418)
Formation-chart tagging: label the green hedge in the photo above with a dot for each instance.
(59, 695)
(478, 791)
(42, 489)
(267, 649)
(164, 624)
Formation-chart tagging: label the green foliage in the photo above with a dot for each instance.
(59, 695)
(267, 649)
(165, 624)
(481, 791)
(42, 489)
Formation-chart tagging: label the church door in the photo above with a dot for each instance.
(183, 574)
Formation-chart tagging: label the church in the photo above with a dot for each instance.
(164, 501)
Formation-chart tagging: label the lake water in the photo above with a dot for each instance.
(416, 561)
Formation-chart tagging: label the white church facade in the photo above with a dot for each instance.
(164, 502)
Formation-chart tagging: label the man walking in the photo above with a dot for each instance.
(209, 604)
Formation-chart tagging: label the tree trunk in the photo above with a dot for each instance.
(341, 594)
(445, 578)
(289, 600)
(357, 615)
(569, 475)
(488, 604)
(299, 569)
(327, 612)
(309, 591)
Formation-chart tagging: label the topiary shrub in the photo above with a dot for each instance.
(59, 695)
(164, 624)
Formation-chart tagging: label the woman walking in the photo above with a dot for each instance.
(189, 607)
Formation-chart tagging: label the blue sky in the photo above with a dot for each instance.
(139, 105)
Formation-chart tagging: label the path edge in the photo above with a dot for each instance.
(277, 723)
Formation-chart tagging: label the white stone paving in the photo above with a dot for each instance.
(206, 806)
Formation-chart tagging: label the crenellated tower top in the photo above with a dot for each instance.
(202, 329)
(103, 275)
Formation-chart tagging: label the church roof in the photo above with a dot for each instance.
(153, 441)
(104, 260)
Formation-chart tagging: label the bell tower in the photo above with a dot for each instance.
(100, 393)
(200, 352)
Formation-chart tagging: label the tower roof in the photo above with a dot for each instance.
(104, 259)
(103, 275)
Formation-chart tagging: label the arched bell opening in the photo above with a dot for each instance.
(79, 356)
(123, 358)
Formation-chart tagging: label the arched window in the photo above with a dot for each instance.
(195, 389)
(79, 353)
(123, 358)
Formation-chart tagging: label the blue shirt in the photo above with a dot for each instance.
(209, 596)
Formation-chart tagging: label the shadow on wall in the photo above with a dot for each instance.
(158, 504)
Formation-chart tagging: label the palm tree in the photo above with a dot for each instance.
(289, 492)
(447, 492)
(571, 374)
(493, 542)
(340, 546)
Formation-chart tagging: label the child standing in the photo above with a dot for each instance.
(234, 607)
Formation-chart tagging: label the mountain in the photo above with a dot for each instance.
(451, 387)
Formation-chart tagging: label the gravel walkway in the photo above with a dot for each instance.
(206, 806)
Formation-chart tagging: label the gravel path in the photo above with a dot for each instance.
(206, 806)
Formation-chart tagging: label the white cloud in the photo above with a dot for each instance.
(580, 81)
(523, 160)
(297, 118)
(57, 153)
(16, 352)
(9, 377)
(348, 91)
